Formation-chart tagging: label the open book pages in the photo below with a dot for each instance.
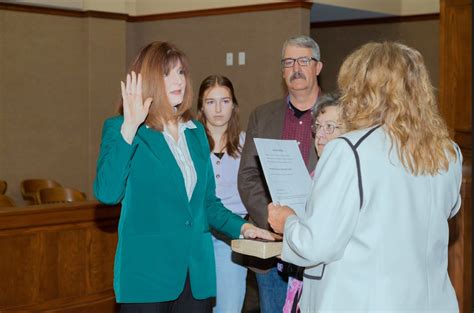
(255, 247)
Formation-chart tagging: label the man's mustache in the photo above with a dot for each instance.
(297, 75)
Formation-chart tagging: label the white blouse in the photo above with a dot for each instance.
(182, 156)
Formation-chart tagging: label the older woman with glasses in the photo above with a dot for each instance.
(327, 126)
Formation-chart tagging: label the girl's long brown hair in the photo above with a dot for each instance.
(154, 62)
(387, 83)
(232, 133)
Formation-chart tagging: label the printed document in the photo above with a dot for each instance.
(285, 172)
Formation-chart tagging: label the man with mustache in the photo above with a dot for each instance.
(287, 118)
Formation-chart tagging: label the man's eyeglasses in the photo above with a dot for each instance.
(302, 61)
(328, 128)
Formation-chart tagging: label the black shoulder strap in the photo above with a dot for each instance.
(356, 155)
(359, 177)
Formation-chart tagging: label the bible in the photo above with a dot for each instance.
(259, 248)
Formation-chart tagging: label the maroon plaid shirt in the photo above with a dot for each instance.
(299, 129)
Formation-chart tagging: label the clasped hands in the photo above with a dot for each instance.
(277, 215)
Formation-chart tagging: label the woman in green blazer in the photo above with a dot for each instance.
(154, 160)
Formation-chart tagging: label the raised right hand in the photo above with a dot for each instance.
(135, 110)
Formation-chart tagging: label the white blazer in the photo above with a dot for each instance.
(389, 254)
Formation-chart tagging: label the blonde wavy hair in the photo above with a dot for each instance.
(387, 84)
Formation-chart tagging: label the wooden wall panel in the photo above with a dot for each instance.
(456, 106)
(18, 268)
(58, 258)
(455, 68)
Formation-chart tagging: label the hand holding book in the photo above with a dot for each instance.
(251, 231)
(258, 242)
(259, 248)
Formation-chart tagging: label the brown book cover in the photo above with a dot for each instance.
(259, 248)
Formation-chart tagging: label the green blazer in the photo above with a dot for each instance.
(162, 235)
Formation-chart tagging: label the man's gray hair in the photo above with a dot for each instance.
(303, 42)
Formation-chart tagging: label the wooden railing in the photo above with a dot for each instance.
(58, 258)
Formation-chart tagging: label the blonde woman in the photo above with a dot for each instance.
(375, 233)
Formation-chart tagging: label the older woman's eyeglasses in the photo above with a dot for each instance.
(328, 128)
(302, 61)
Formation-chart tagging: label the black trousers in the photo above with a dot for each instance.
(184, 304)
